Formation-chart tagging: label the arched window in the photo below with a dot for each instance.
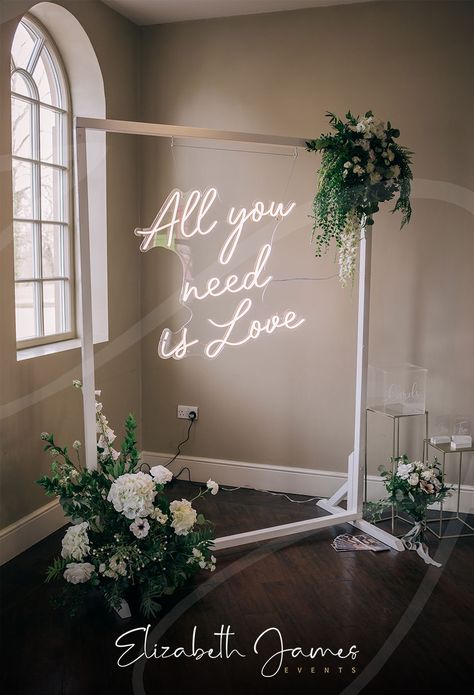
(42, 192)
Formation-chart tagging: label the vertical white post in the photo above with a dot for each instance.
(356, 480)
(84, 319)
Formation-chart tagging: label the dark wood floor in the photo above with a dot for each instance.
(412, 625)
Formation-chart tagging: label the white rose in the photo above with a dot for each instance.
(75, 543)
(78, 572)
(161, 475)
(184, 516)
(133, 494)
(358, 170)
(140, 528)
(413, 479)
(212, 486)
(347, 165)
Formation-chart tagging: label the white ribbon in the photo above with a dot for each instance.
(410, 542)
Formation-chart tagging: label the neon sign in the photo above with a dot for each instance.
(182, 217)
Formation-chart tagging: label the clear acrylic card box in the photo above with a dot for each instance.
(397, 390)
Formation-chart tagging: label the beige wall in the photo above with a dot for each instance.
(289, 399)
(115, 41)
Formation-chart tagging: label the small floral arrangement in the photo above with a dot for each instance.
(412, 487)
(362, 166)
(125, 533)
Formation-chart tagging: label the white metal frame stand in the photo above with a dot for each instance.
(353, 488)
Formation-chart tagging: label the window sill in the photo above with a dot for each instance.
(48, 349)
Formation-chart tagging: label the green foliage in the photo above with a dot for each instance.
(356, 175)
(154, 564)
(55, 570)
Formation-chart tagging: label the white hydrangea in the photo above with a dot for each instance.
(78, 572)
(184, 516)
(161, 475)
(75, 543)
(133, 494)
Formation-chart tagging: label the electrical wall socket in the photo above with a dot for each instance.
(184, 410)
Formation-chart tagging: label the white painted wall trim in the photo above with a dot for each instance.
(297, 481)
(30, 529)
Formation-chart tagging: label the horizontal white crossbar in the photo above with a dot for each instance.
(265, 534)
(178, 131)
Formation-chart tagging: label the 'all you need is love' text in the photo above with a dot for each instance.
(185, 215)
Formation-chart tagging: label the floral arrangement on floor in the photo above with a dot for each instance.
(362, 166)
(412, 487)
(125, 533)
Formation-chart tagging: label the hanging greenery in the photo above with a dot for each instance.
(362, 166)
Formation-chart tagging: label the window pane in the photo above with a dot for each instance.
(55, 301)
(51, 139)
(23, 236)
(45, 77)
(22, 189)
(20, 85)
(55, 250)
(22, 47)
(21, 128)
(24, 310)
(53, 194)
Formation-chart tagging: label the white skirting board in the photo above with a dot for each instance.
(298, 481)
(31, 529)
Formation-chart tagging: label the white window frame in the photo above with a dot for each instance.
(66, 255)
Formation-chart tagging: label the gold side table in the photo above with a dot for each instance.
(395, 416)
(444, 450)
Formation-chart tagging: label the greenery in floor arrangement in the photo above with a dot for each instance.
(362, 166)
(412, 487)
(125, 532)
